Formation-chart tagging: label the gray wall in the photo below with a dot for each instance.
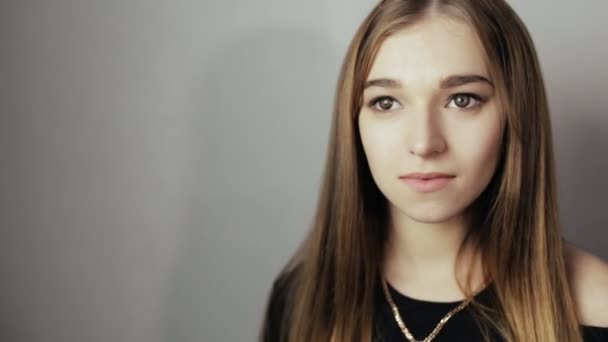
(161, 160)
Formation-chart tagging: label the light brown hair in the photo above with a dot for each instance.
(335, 271)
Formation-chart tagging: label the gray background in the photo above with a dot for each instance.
(161, 160)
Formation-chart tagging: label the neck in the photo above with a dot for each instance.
(424, 257)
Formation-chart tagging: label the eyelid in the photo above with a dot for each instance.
(480, 100)
(374, 102)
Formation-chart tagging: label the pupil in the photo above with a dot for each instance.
(385, 104)
(462, 101)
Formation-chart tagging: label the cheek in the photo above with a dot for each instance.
(479, 152)
(380, 146)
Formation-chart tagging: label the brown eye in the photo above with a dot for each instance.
(466, 101)
(386, 103)
(383, 103)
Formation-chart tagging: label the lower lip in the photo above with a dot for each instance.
(427, 185)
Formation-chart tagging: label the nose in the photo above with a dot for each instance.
(425, 134)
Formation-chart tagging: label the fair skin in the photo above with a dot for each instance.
(588, 276)
(437, 115)
(430, 106)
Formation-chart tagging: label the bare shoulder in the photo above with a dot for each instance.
(588, 276)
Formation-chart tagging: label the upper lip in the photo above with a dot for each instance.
(430, 175)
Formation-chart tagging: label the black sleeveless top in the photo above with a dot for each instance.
(460, 327)
(422, 316)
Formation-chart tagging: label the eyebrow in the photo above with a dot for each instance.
(448, 82)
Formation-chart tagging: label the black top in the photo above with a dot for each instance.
(460, 327)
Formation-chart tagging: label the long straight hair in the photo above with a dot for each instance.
(335, 271)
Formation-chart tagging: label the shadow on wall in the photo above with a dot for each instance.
(266, 104)
(582, 162)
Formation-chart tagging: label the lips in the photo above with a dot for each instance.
(424, 176)
(427, 182)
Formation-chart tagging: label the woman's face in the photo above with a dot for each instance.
(429, 106)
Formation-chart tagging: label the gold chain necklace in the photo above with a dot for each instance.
(435, 331)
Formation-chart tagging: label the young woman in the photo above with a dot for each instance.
(438, 218)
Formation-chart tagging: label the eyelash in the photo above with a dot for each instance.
(373, 103)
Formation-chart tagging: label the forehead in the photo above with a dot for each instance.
(428, 50)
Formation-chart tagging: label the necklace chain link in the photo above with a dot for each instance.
(405, 330)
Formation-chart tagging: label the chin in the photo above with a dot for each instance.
(428, 217)
(429, 213)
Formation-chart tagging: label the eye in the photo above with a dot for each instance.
(382, 103)
(464, 100)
